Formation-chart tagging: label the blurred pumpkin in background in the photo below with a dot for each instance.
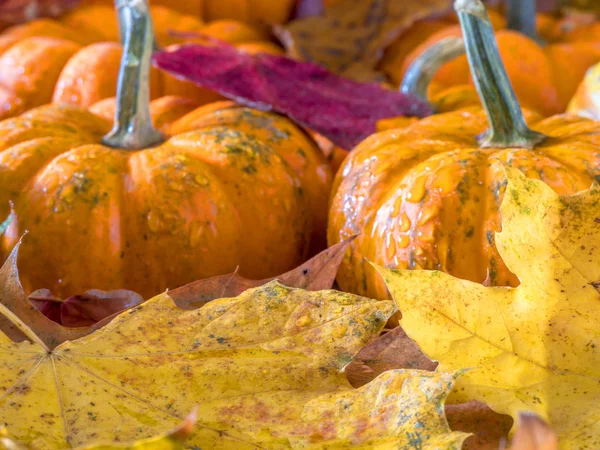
(257, 12)
(75, 59)
(544, 75)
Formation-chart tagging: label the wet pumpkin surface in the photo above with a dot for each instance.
(426, 197)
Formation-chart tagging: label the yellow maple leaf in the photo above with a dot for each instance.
(534, 347)
(172, 440)
(264, 369)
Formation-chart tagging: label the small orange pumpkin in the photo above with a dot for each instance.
(146, 214)
(427, 196)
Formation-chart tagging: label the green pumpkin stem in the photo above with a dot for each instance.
(520, 16)
(507, 125)
(419, 74)
(133, 125)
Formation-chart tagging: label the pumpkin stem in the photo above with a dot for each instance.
(419, 74)
(133, 125)
(507, 125)
(520, 16)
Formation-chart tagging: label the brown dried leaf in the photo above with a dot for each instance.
(350, 37)
(316, 274)
(489, 429)
(533, 434)
(393, 350)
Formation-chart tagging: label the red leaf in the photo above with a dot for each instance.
(18, 11)
(86, 309)
(344, 111)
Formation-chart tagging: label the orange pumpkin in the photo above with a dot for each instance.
(44, 60)
(134, 211)
(427, 196)
(544, 77)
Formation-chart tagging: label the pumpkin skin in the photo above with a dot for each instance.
(426, 197)
(290, 141)
(29, 69)
(558, 67)
(394, 61)
(199, 204)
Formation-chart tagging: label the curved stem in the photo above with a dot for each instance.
(133, 125)
(520, 16)
(419, 74)
(507, 125)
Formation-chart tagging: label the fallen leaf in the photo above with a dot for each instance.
(316, 274)
(534, 347)
(172, 440)
(347, 111)
(96, 306)
(533, 434)
(395, 350)
(488, 429)
(19, 11)
(349, 38)
(265, 370)
(85, 309)
(20, 319)
(392, 350)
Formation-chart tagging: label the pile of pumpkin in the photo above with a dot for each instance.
(211, 186)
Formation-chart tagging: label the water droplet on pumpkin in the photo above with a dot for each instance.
(153, 222)
(404, 223)
(403, 240)
(195, 234)
(397, 205)
(390, 250)
(416, 194)
(67, 194)
(427, 213)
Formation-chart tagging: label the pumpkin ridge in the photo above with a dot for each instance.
(235, 156)
(568, 164)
